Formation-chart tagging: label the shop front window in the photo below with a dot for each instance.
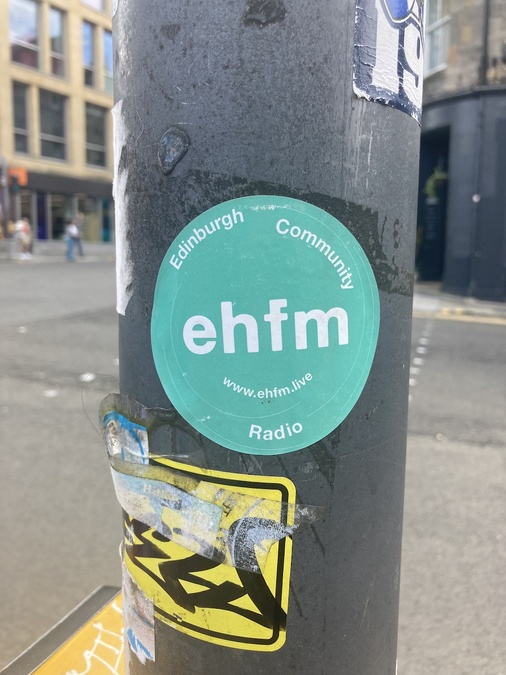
(107, 220)
(26, 202)
(90, 207)
(61, 213)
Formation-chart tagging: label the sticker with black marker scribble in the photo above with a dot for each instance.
(388, 54)
(236, 605)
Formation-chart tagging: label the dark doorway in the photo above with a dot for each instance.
(106, 220)
(41, 216)
(432, 200)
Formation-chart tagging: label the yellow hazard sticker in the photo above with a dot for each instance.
(220, 599)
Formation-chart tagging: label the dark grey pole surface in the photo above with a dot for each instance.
(262, 92)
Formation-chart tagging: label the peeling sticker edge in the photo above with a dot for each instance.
(378, 76)
(188, 504)
(155, 496)
(124, 262)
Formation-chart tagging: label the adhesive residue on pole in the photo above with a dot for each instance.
(265, 323)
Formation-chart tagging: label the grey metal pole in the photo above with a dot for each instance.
(253, 107)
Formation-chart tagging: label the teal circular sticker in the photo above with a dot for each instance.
(265, 322)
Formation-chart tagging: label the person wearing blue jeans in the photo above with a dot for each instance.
(71, 235)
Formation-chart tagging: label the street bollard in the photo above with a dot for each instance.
(266, 158)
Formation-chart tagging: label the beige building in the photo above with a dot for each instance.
(465, 46)
(55, 123)
(462, 198)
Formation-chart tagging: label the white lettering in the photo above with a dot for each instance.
(227, 222)
(199, 234)
(284, 222)
(284, 430)
(283, 227)
(190, 334)
(322, 321)
(229, 322)
(175, 262)
(236, 215)
(275, 317)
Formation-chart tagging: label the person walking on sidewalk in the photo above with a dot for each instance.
(79, 223)
(71, 237)
(23, 235)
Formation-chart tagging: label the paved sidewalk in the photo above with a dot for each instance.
(429, 300)
(52, 251)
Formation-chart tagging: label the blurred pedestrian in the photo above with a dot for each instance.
(79, 223)
(71, 237)
(23, 238)
(27, 238)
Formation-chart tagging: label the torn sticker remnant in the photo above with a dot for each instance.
(138, 616)
(125, 438)
(236, 527)
(184, 504)
(131, 431)
(388, 53)
(211, 550)
(243, 606)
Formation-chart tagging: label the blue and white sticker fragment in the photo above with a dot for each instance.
(139, 619)
(125, 439)
(388, 53)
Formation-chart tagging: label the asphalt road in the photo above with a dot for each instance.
(61, 526)
(453, 593)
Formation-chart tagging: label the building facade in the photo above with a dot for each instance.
(56, 89)
(462, 198)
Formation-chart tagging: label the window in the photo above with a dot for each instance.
(95, 135)
(437, 34)
(89, 53)
(19, 94)
(108, 82)
(52, 125)
(24, 32)
(56, 35)
(96, 4)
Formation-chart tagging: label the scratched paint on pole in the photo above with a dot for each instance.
(388, 55)
(211, 600)
(265, 323)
